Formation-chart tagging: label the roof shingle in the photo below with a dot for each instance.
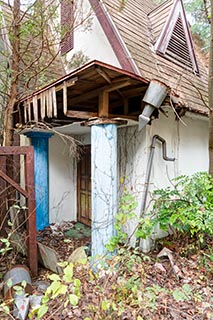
(140, 24)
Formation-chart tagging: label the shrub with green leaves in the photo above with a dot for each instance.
(186, 207)
(64, 290)
(125, 213)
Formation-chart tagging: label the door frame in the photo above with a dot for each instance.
(80, 218)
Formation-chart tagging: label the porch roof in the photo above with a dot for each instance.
(96, 89)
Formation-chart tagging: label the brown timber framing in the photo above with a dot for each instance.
(103, 104)
(29, 193)
(93, 90)
(108, 88)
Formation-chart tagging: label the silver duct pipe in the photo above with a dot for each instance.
(149, 165)
(149, 169)
(153, 98)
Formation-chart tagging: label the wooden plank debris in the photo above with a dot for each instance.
(43, 105)
(54, 102)
(50, 104)
(65, 97)
(29, 110)
(25, 111)
(35, 108)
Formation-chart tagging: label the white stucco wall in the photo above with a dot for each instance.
(62, 181)
(187, 142)
(132, 158)
(92, 40)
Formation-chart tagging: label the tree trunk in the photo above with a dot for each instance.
(211, 96)
(13, 92)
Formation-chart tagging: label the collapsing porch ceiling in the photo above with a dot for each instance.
(94, 90)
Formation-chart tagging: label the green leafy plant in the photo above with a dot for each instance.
(5, 244)
(64, 288)
(187, 207)
(125, 213)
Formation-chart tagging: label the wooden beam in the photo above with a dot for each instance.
(69, 83)
(126, 106)
(108, 88)
(103, 74)
(103, 104)
(31, 204)
(13, 184)
(81, 114)
(118, 85)
(122, 116)
(87, 115)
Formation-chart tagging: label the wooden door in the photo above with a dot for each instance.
(84, 187)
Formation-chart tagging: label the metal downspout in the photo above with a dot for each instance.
(149, 168)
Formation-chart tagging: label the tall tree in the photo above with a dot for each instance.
(36, 38)
(198, 13)
(15, 63)
(211, 95)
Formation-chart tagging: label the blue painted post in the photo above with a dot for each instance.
(39, 141)
(104, 185)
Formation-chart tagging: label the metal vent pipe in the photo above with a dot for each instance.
(153, 98)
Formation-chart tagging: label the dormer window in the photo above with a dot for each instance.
(67, 26)
(175, 41)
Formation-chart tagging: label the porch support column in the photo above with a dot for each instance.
(39, 141)
(104, 185)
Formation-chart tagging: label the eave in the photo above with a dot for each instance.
(96, 89)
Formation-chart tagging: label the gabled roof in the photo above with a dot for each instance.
(158, 18)
(139, 25)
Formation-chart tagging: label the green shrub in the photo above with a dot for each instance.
(186, 207)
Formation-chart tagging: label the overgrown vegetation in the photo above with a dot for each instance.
(132, 287)
(176, 283)
(186, 208)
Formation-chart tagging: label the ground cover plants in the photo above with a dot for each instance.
(173, 281)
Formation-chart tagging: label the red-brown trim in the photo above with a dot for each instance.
(87, 66)
(113, 37)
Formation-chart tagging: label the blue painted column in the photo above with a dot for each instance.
(104, 185)
(39, 141)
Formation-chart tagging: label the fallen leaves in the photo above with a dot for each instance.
(163, 285)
